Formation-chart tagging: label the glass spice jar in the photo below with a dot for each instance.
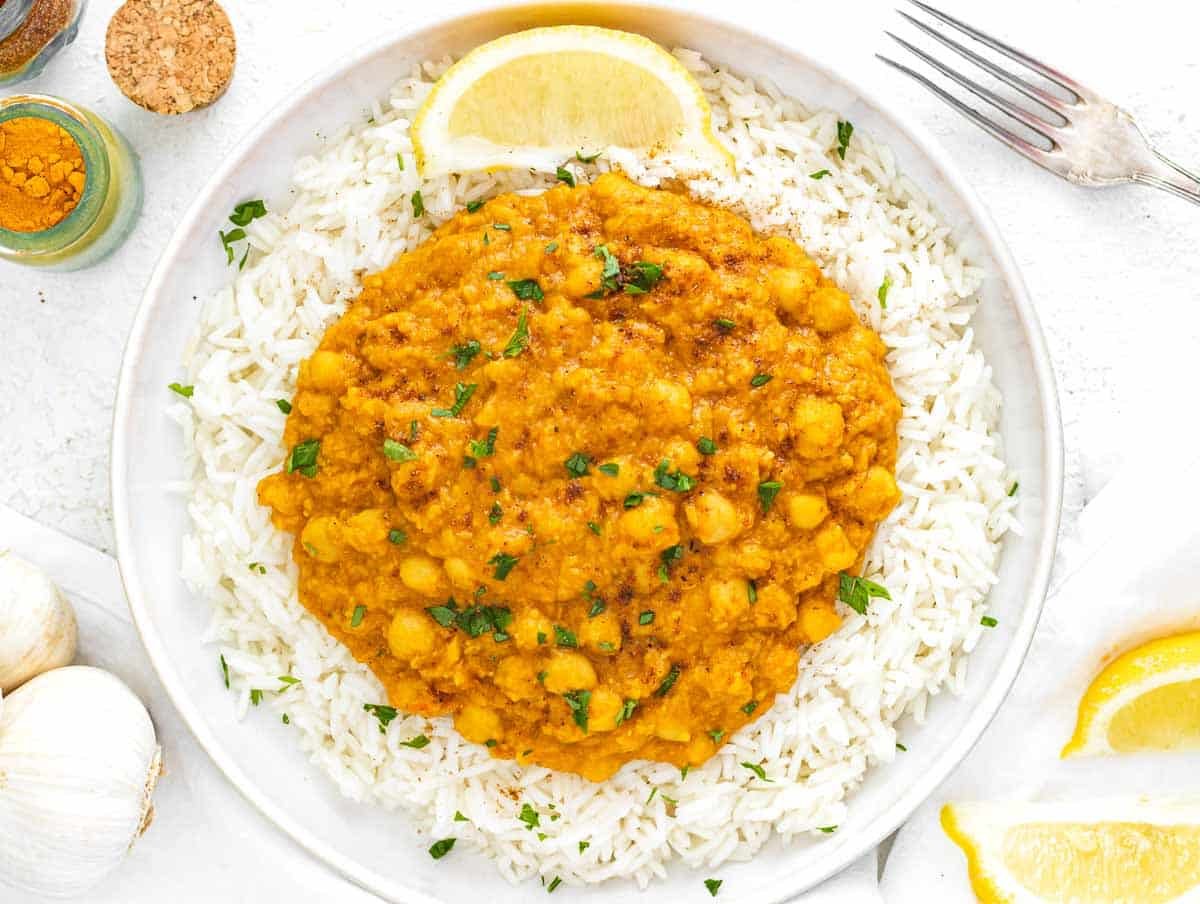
(32, 32)
(97, 211)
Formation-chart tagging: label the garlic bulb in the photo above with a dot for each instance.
(78, 763)
(37, 624)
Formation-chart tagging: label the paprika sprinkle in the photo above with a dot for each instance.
(42, 174)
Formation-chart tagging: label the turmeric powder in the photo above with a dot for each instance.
(42, 174)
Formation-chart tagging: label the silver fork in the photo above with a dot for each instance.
(1088, 141)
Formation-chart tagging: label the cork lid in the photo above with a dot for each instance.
(170, 56)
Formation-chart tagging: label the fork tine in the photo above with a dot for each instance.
(1034, 93)
(1065, 82)
(1038, 155)
(1005, 106)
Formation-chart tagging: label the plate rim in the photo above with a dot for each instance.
(999, 683)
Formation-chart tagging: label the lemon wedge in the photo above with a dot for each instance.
(1146, 699)
(1129, 850)
(536, 98)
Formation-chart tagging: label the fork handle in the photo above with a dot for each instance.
(1170, 177)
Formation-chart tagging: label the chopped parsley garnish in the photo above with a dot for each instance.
(634, 499)
(678, 482)
(562, 174)
(596, 603)
(397, 536)
(901, 747)
(750, 707)
(828, 830)
(552, 247)
(584, 845)
(258, 567)
(883, 291)
(227, 240)
(519, 340)
(554, 883)
(612, 268)
(626, 712)
(669, 681)
(857, 592)
(724, 324)
(530, 817)
(413, 430)
(541, 639)
(463, 354)
(564, 638)
(988, 622)
(383, 713)
(247, 211)
(474, 620)
(579, 701)
(586, 158)
(462, 395)
(611, 468)
(1012, 490)
(526, 289)
(495, 514)
(495, 275)
(484, 448)
(416, 743)
(304, 457)
(713, 886)
(716, 734)
(225, 671)
(473, 206)
(256, 696)
(503, 227)
(606, 646)
(398, 451)
(767, 491)
(757, 770)
(760, 380)
(752, 592)
(669, 557)
(458, 817)
(310, 549)
(288, 681)
(495, 482)
(284, 405)
(819, 174)
(706, 446)
(636, 279)
(504, 564)
(653, 794)
(400, 161)
(440, 849)
(577, 464)
(180, 389)
(646, 618)
(642, 277)
(287, 720)
(357, 617)
(418, 204)
(594, 527)
(844, 131)
(490, 743)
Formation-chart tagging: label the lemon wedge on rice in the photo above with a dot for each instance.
(1146, 699)
(1129, 850)
(536, 98)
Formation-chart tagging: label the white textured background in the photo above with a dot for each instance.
(1115, 274)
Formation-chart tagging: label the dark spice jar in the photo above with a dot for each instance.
(32, 32)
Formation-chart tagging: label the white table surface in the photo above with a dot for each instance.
(1115, 274)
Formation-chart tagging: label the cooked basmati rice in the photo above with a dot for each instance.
(937, 553)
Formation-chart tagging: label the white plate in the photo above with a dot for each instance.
(380, 850)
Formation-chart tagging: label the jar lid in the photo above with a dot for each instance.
(170, 56)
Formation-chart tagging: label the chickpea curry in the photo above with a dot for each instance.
(585, 471)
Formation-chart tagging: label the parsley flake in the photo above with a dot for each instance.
(418, 204)
(844, 131)
(669, 681)
(564, 638)
(579, 701)
(858, 592)
(819, 174)
(473, 206)
(462, 395)
(713, 886)
(526, 289)
(646, 618)
(562, 174)
(504, 564)
(705, 446)
(440, 849)
(304, 458)
(767, 491)
(577, 464)
(761, 380)
(988, 622)
(284, 405)
(180, 389)
(384, 714)
(882, 294)
(416, 743)
(357, 617)
(398, 451)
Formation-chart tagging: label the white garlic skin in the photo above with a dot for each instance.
(78, 763)
(37, 624)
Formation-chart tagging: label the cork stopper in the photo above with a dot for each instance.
(170, 56)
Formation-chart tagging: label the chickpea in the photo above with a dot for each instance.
(367, 530)
(819, 427)
(326, 370)
(650, 524)
(602, 633)
(460, 572)
(805, 511)
(528, 627)
(603, 710)
(877, 494)
(830, 309)
(422, 575)
(478, 725)
(668, 729)
(516, 676)
(729, 599)
(836, 551)
(818, 621)
(568, 671)
(583, 278)
(776, 608)
(671, 402)
(713, 517)
(790, 289)
(321, 539)
(411, 634)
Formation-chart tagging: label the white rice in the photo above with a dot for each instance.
(937, 553)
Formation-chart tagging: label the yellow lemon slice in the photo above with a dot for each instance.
(1129, 850)
(1146, 699)
(537, 97)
